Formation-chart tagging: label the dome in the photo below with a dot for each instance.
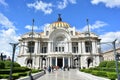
(59, 24)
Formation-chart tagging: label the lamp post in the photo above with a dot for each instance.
(31, 50)
(11, 68)
(115, 56)
(116, 60)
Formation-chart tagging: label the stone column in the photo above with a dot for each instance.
(70, 47)
(39, 47)
(79, 47)
(25, 47)
(35, 47)
(49, 47)
(83, 46)
(63, 62)
(71, 62)
(56, 62)
(40, 63)
(93, 47)
(50, 61)
(68, 61)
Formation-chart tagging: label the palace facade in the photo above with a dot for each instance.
(59, 45)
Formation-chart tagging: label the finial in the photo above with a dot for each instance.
(33, 24)
(87, 20)
(33, 20)
(59, 17)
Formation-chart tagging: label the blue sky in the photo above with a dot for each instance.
(16, 17)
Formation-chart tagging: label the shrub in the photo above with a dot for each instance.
(110, 64)
(4, 76)
(23, 74)
(15, 76)
(111, 75)
(8, 64)
(2, 65)
(103, 64)
(35, 70)
(99, 73)
(16, 64)
(4, 71)
(20, 69)
(87, 70)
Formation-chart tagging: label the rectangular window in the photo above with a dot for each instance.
(56, 49)
(44, 49)
(62, 49)
(59, 49)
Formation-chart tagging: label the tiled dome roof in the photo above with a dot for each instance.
(59, 24)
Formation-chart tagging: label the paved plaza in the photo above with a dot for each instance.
(72, 74)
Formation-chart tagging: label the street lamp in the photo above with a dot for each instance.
(115, 55)
(11, 68)
(31, 50)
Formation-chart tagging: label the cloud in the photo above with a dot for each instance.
(64, 3)
(29, 27)
(7, 35)
(108, 3)
(109, 37)
(39, 5)
(72, 1)
(2, 2)
(96, 25)
(5, 23)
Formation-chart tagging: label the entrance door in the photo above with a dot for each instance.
(60, 62)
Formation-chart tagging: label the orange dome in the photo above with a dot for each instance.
(59, 23)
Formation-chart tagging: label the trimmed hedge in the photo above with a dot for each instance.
(4, 71)
(8, 64)
(99, 73)
(111, 75)
(4, 76)
(2, 65)
(103, 64)
(20, 69)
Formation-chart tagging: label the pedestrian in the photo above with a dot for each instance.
(49, 69)
(52, 68)
(64, 68)
(68, 68)
(31, 77)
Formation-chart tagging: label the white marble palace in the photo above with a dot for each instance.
(59, 45)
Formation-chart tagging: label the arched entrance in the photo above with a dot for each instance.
(89, 62)
(43, 62)
(29, 62)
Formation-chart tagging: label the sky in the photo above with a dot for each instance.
(16, 18)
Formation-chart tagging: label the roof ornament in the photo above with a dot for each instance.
(87, 20)
(32, 32)
(33, 25)
(59, 17)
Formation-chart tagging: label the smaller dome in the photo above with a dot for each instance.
(59, 23)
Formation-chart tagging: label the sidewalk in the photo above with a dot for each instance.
(72, 74)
